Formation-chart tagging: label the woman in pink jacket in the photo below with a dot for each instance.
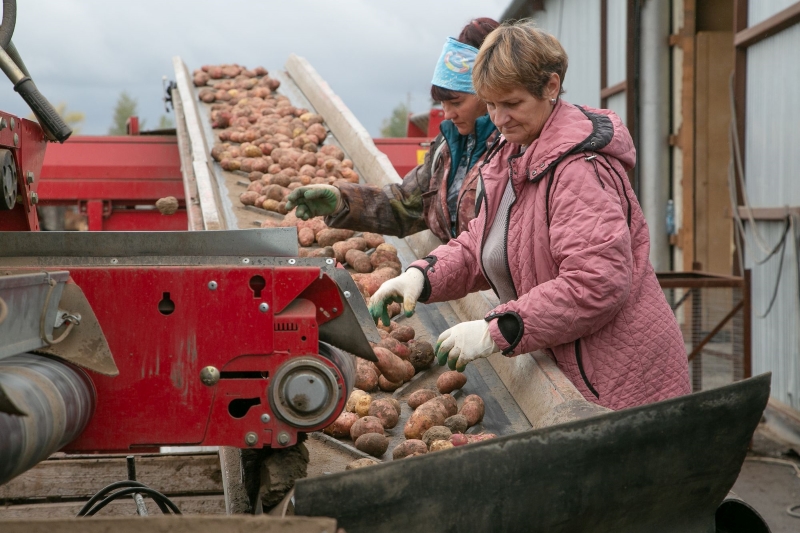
(560, 238)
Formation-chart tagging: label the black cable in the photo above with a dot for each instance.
(782, 244)
(8, 23)
(154, 494)
(129, 487)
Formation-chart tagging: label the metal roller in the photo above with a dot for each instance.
(58, 400)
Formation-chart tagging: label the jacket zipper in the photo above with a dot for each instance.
(579, 358)
(508, 222)
(483, 232)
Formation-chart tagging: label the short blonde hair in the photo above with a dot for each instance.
(518, 54)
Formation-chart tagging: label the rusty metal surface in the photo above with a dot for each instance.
(661, 468)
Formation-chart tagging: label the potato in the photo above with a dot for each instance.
(361, 463)
(357, 259)
(271, 205)
(385, 412)
(436, 433)
(273, 192)
(391, 366)
(350, 406)
(373, 239)
(320, 132)
(409, 447)
(388, 386)
(450, 381)
(305, 236)
(396, 347)
(169, 205)
(473, 409)
(341, 426)
(362, 405)
(435, 410)
(373, 444)
(449, 403)
(460, 439)
(329, 236)
(403, 333)
(368, 424)
(366, 378)
(341, 248)
(394, 309)
(409, 371)
(371, 282)
(439, 445)
(328, 149)
(417, 424)
(420, 354)
(249, 197)
(421, 396)
(456, 423)
(384, 253)
(396, 405)
(316, 252)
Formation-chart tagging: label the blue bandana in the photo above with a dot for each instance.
(454, 68)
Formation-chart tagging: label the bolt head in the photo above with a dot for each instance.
(246, 261)
(292, 261)
(335, 309)
(347, 294)
(16, 138)
(265, 418)
(251, 439)
(212, 285)
(34, 198)
(30, 176)
(329, 261)
(13, 123)
(263, 307)
(283, 438)
(209, 376)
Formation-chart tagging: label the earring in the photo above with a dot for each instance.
(553, 101)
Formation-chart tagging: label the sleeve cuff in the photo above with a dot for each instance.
(424, 265)
(506, 330)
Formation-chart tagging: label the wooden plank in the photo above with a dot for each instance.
(687, 134)
(212, 219)
(204, 505)
(373, 164)
(167, 524)
(740, 93)
(193, 212)
(608, 92)
(769, 27)
(769, 213)
(84, 477)
(701, 142)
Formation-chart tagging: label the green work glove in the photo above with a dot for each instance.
(405, 288)
(314, 201)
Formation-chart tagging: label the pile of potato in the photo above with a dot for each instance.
(278, 146)
(436, 423)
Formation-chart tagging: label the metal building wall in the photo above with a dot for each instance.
(772, 171)
(617, 22)
(576, 24)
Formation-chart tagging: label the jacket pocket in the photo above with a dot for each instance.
(579, 359)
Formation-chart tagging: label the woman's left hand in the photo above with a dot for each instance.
(464, 343)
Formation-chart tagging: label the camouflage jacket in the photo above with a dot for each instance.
(420, 201)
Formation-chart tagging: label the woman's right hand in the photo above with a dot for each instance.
(405, 288)
(314, 201)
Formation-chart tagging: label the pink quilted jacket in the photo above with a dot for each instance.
(578, 254)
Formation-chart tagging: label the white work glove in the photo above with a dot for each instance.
(405, 288)
(463, 343)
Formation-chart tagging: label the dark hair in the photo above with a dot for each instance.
(473, 34)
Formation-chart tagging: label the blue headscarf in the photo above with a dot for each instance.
(454, 68)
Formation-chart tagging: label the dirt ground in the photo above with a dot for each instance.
(770, 477)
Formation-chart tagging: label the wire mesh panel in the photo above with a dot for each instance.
(711, 312)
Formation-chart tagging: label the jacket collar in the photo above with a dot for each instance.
(457, 143)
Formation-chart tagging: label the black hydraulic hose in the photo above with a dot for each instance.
(9, 21)
(159, 498)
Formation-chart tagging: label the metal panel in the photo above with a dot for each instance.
(771, 170)
(776, 338)
(576, 24)
(273, 242)
(617, 31)
(760, 10)
(618, 104)
(771, 166)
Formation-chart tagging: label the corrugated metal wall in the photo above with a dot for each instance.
(616, 32)
(772, 171)
(576, 24)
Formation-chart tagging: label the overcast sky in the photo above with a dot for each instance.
(372, 53)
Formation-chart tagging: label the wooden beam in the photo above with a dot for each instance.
(687, 140)
(84, 477)
(776, 214)
(775, 24)
(603, 50)
(188, 505)
(739, 96)
(186, 524)
(608, 92)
